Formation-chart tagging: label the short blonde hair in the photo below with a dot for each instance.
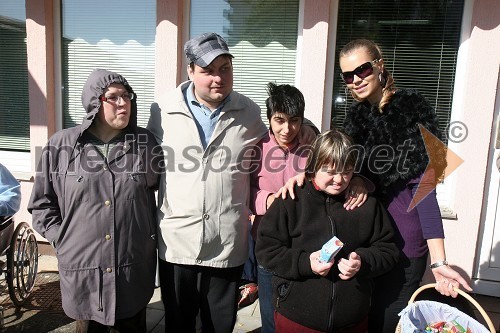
(332, 148)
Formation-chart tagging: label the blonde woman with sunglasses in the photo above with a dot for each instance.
(387, 122)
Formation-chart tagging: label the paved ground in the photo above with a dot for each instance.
(42, 311)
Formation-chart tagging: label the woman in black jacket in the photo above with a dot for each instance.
(315, 296)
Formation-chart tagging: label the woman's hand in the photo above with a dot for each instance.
(356, 193)
(447, 278)
(349, 267)
(318, 267)
(289, 185)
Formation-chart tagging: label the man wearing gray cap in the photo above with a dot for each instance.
(205, 129)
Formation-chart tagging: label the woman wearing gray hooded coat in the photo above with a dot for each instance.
(93, 200)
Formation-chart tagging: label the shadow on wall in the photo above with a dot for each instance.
(492, 265)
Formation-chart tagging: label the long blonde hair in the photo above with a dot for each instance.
(389, 86)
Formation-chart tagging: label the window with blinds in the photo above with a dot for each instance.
(262, 37)
(14, 92)
(118, 35)
(419, 40)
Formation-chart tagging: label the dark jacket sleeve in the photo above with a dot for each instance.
(382, 254)
(309, 123)
(43, 204)
(273, 246)
(155, 160)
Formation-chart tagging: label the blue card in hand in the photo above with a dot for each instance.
(330, 249)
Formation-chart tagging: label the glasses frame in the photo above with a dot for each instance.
(130, 97)
(359, 71)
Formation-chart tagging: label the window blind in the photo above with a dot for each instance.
(114, 35)
(14, 92)
(419, 41)
(261, 35)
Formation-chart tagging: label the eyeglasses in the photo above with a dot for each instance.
(362, 71)
(114, 99)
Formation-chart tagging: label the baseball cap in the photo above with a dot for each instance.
(203, 49)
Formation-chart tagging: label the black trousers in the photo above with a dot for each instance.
(135, 324)
(392, 293)
(198, 298)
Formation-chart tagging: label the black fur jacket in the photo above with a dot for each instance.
(394, 148)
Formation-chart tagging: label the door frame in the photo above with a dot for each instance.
(486, 278)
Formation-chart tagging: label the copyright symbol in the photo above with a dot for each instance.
(457, 131)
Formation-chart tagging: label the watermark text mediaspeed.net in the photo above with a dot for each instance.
(86, 159)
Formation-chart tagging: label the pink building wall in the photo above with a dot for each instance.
(474, 105)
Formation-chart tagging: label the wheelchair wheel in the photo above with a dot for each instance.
(22, 263)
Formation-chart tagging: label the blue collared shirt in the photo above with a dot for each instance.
(205, 119)
(10, 193)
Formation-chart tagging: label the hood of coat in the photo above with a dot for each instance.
(93, 89)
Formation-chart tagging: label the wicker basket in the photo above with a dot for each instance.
(487, 319)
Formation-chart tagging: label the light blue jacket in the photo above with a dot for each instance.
(10, 193)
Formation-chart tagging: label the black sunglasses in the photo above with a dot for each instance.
(362, 71)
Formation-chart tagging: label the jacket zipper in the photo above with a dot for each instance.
(332, 290)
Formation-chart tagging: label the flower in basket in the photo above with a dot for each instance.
(446, 327)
